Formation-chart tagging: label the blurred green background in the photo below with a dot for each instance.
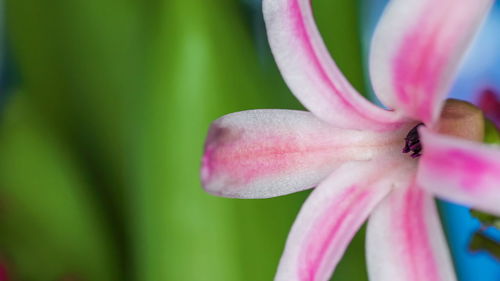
(102, 126)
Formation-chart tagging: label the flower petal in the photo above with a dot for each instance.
(416, 51)
(266, 153)
(311, 73)
(404, 238)
(331, 216)
(461, 171)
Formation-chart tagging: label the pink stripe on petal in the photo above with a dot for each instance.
(412, 219)
(266, 153)
(332, 215)
(405, 240)
(325, 234)
(417, 49)
(461, 171)
(311, 73)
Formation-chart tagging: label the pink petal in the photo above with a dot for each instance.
(405, 240)
(311, 73)
(331, 216)
(489, 103)
(461, 171)
(266, 153)
(417, 49)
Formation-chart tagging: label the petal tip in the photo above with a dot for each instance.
(215, 138)
(206, 169)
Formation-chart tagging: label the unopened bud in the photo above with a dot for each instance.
(461, 119)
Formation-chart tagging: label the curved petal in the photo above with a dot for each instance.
(311, 73)
(417, 49)
(331, 216)
(404, 238)
(266, 153)
(461, 171)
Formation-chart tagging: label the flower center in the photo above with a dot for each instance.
(412, 142)
(458, 119)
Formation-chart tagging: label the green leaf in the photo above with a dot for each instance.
(491, 133)
(52, 225)
(491, 136)
(480, 241)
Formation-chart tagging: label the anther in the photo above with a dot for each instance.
(412, 142)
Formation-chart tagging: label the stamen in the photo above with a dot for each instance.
(412, 142)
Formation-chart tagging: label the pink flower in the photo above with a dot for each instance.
(351, 149)
(489, 103)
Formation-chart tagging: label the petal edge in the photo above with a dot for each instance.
(331, 216)
(417, 49)
(310, 72)
(461, 171)
(405, 240)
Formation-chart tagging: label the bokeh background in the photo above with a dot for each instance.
(104, 106)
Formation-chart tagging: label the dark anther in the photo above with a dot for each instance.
(412, 142)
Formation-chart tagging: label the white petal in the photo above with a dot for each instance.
(310, 72)
(266, 153)
(461, 171)
(405, 240)
(417, 49)
(332, 215)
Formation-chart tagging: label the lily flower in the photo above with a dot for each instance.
(365, 162)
